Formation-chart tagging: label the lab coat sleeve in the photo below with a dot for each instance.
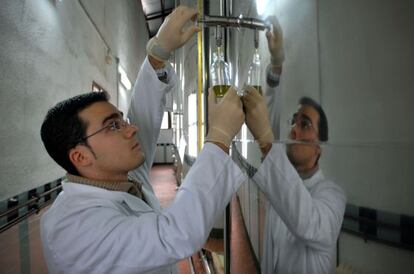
(315, 219)
(273, 97)
(147, 108)
(153, 240)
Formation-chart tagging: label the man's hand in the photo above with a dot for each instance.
(275, 42)
(225, 118)
(257, 119)
(172, 33)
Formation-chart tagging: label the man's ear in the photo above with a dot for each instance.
(80, 156)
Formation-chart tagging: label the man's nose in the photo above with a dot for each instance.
(130, 131)
(293, 132)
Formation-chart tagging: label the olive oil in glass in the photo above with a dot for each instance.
(254, 73)
(219, 74)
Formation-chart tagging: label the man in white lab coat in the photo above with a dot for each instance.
(107, 218)
(305, 210)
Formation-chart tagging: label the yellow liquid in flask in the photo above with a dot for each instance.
(220, 90)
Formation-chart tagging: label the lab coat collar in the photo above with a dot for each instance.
(315, 178)
(134, 203)
(151, 199)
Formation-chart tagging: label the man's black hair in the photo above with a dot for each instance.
(323, 121)
(62, 128)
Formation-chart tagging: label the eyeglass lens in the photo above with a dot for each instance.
(303, 122)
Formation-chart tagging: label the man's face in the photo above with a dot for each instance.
(305, 129)
(115, 152)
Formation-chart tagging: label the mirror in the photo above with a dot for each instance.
(355, 59)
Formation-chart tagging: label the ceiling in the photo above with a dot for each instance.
(155, 12)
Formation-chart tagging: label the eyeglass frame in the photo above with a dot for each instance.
(292, 123)
(123, 123)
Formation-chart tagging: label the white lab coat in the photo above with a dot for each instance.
(93, 230)
(303, 220)
(303, 217)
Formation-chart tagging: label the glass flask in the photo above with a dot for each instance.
(219, 74)
(254, 73)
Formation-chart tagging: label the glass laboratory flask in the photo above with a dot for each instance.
(254, 73)
(219, 74)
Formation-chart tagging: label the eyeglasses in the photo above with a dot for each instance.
(115, 125)
(303, 122)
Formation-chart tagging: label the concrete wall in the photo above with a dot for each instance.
(51, 51)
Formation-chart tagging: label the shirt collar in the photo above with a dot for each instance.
(131, 186)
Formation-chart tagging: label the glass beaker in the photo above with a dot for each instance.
(254, 73)
(219, 74)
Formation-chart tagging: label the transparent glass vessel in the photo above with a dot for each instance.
(254, 73)
(219, 74)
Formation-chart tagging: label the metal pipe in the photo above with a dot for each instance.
(235, 22)
(219, 36)
(204, 262)
(367, 237)
(256, 39)
(32, 201)
(206, 65)
(200, 138)
(24, 216)
(190, 262)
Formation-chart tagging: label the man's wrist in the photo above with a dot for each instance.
(157, 51)
(155, 63)
(218, 136)
(276, 69)
(278, 59)
(220, 145)
(265, 149)
(273, 75)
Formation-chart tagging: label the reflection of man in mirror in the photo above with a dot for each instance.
(308, 125)
(305, 210)
(107, 219)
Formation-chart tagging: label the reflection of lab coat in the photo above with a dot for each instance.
(93, 230)
(303, 217)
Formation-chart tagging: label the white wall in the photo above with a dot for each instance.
(366, 53)
(51, 51)
(367, 92)
(122, 24)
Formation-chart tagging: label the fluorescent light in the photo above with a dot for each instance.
(124, 78)
(261, 6)
(244, 140)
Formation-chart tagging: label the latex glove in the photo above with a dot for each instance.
(225, 118)
(257, 118)
(275, 41)
(172, 33)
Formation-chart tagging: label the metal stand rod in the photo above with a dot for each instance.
(219, 36)
(256, 39)
(235, 22)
